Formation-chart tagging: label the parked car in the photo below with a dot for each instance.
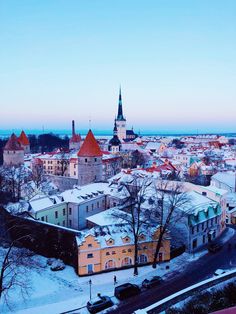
(154, 281)
(126, 290)
(219, 272)
(98, 304)
(214, 247)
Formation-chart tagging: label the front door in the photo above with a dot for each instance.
(90, 268)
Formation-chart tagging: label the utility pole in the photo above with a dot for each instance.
(90, 289)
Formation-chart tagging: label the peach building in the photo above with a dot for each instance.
(112, 247)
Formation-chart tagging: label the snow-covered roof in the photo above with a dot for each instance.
(41, 202)
(107, 217)
(117, 233)
(227, 178)
(153, 146)
(81, 193)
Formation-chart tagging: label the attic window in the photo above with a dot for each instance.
(110, 241)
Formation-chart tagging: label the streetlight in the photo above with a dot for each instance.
(90, 289)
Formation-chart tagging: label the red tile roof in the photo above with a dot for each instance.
(13, 143)
(90, 147)
(76, 138)
(23, 139)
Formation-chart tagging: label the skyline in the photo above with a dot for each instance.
(62, 60)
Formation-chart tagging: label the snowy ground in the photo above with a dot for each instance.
(57, 292)
(61, 291)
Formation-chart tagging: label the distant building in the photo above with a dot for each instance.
(75, 140)
(89, 161)
(24, 142)
(122, 133)
(114, 145)
(13, 152)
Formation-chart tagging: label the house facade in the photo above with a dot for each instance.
(112, 247)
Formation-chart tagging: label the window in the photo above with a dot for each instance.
(142, 259)
(129, 250)
(110, 264)
(56, 214)
(126, 261)
(107, 253)
(42, 218)
(63, 223)
(87, 208)
(86, 160)
(123, 251)
(70, 223)
(97, 204)
(92, 206)
(46, 218)
(64, 211)
(95, 159)
(90, 255)
(90, 245)
(113, 252)
(70, 211)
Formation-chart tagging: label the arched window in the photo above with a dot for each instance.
(110, 264)
(126, 261)
(142, 259)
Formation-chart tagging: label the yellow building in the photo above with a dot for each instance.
(112, 247)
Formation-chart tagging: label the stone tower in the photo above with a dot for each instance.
(89, 161)
(120, 120)
(13, 152)
(24, 142)
(75, 140)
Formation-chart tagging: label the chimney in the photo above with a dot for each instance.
(73, 127)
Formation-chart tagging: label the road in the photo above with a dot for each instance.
(197, 271)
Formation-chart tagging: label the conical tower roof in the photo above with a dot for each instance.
(90, 147)
(13, 143)
(23, 139)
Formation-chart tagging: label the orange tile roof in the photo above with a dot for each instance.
(76, 138)
(90, 147)
(23, 139)
(13, 143)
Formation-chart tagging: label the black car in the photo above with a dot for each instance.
(126, 290)
(99, 304)
(214, 247)
(154, 281)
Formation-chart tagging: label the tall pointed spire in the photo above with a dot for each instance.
(120, 116)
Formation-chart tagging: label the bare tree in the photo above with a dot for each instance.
(38, 174)
(17, 180)
(133, 213)
(63, 162)
(14, 260)
(170, 196)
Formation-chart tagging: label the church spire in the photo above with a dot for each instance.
(120, 116)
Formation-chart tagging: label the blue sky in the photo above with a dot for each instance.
(64, 60)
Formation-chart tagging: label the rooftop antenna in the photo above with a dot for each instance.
(90, 123)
